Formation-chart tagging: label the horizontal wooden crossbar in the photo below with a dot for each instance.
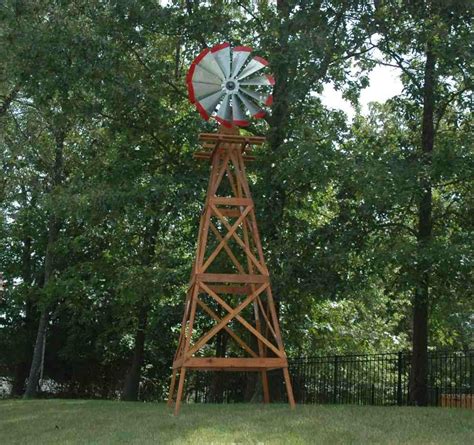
(232, 363)
(212, 145)
(206, 155)
(231, 278)
(230, 201)
(232, 138)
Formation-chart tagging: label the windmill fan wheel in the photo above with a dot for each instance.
(228, 84)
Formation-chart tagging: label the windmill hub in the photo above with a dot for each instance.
(231, 86)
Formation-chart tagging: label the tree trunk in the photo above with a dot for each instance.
(35, 370)
(24, 355)
(26, 332)
(278, 121)
(419, 388)
(131, 387)
(21, 373)
(49, 267)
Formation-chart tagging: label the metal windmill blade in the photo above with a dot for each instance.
(228, 85)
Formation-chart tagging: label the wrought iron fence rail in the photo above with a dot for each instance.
(363, 379)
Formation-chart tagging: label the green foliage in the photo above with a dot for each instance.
(336, 200)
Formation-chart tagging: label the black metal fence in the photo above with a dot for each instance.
(369, 379)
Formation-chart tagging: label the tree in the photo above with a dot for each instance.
(437, 33)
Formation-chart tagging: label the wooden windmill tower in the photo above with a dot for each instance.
(230, 282)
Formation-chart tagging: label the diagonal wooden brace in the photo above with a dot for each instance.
(239, 241)
(244, 345)
(206, 337)
(242, 320)
(231, 231)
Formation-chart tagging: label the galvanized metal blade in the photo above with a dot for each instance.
(256, 64)
(238, 113)
(225, 113)
(254, 95)
(239, 56)
(204, 76)
(266, 79)
(202, 89)
(222, 55)
(210, 103)
(209, 64)
(250, 105)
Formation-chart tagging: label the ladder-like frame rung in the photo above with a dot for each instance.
(232, 138)
(207, 155)
(234, 363)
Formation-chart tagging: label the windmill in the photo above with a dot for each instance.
(230, 282)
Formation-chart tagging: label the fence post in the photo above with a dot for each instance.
(335, 379)
(399, 380)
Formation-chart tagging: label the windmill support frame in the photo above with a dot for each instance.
(228, 227)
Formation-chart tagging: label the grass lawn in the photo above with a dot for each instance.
(89, 422)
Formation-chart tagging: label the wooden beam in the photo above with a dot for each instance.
(182, 375)
(206, 337)
(244, 345)
(242, 320)
(259, 301)
(220, 200)
(226, 238)
(207, 155)
(263, 270)
(232, 138)
(235, 362)
(231, 278)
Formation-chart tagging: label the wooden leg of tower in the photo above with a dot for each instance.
(289, 388)
(266, 391)
(182, 375)
(262, 353)
(172, 385)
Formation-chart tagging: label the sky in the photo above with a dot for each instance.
(384, 83)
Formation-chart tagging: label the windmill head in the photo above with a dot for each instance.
(228, 84)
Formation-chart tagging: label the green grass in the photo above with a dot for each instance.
(104, 422)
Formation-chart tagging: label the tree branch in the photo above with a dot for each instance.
(9, 99)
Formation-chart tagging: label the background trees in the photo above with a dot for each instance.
(367, 224)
